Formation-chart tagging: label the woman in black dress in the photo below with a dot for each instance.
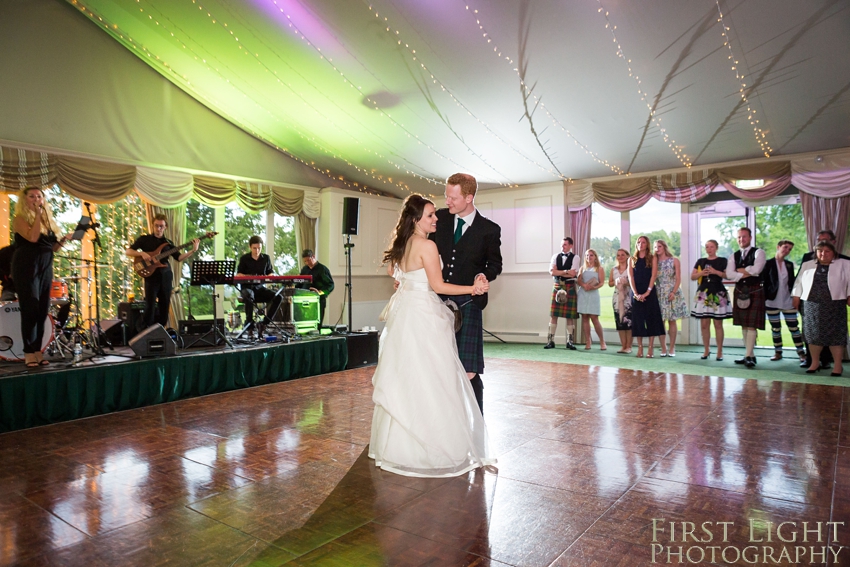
(712, 301)
(646, 313)
(824, 284)
(36, 238)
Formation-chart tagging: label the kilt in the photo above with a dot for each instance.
(569, 309)
(470, 338)
(754, 316)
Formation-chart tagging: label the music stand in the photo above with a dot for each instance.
(212, 272)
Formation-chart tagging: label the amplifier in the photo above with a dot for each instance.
(305, 312)
(362, 349)
(133, 317)
(191, 329)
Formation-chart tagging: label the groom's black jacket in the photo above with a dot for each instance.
(477, 251)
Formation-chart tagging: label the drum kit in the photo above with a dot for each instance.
(64, 325)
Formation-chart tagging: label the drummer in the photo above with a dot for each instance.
(36, 238)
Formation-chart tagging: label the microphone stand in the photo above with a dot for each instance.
(97, 331)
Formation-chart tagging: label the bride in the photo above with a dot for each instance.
(426, 421)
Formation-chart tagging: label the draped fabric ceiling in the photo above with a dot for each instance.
(102, 182)
(399, 94)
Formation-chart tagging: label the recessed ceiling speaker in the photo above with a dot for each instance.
(350, 215)
(153, 341)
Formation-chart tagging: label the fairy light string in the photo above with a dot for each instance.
(677, 150)
(538, 103)
(761, 136)
(114, 30)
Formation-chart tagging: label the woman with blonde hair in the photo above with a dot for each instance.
(590, 277)
(671, 299)
(646, 314)
(622, 300)
(426, 422)
(36, 238)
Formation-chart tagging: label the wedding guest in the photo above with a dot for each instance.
(671, 299)
(778, 277)
(744, 268)
(646, 313)
(825, 356)
(824, 286)
(563, 268)
(622, 300)
(590, 278)
(712, 301)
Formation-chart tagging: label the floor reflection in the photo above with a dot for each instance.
(588, 459)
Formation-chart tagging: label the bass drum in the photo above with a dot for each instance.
(11, 343)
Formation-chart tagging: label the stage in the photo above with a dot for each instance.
(120, 380)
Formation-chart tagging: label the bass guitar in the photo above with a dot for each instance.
(147, 267)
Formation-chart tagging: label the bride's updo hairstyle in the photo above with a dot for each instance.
(411, 213)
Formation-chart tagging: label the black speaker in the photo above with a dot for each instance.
(153, 341)
(133, 317)
(113, 330)
(362, 349)
(350, 215)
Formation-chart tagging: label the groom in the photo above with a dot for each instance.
(469, 248)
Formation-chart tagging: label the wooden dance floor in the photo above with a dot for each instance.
(597, 466)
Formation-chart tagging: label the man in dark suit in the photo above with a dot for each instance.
(825, 356)
(469, 246)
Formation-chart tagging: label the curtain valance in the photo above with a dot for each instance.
(104, 182)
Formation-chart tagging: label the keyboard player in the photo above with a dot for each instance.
(255, 263)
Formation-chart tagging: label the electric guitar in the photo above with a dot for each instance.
(147, 267)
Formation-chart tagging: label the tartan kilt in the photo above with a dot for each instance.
(470, 338)
(569, 309)
(754, 316)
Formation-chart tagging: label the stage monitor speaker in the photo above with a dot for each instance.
(350, 215)
(113, 330)
(153, 341)
(362, 349)
(133, 317)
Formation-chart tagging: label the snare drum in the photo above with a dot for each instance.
(11, 343)
(59, 292)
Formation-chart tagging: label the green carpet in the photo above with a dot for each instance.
(687, 361)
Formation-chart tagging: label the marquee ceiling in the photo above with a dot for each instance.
(398, 94)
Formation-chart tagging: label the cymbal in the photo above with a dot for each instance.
(82, 266)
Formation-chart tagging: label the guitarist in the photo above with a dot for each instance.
(158, 285)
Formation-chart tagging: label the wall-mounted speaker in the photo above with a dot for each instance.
(153, 341)
(350, 215)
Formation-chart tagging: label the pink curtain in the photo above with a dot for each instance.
(580, 229)
(820, 214)
(776, 175)
(827, 184)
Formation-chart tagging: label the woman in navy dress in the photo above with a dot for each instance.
(646, 312)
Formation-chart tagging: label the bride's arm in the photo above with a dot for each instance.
(431, 262)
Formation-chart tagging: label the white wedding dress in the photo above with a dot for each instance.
(426, 421)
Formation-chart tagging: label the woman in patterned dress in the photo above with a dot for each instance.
(622, 300)
(670, 296)
(712, 301)
(824, 284)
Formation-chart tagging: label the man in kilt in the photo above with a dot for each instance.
(470, 248)
(748, 309)
(564, 267)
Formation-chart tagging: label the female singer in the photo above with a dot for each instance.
(32, 268)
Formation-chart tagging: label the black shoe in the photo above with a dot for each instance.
(803, 364)
(742, 360)
(750, 362)
(571, 346)
(810, 371)
(550, 344)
